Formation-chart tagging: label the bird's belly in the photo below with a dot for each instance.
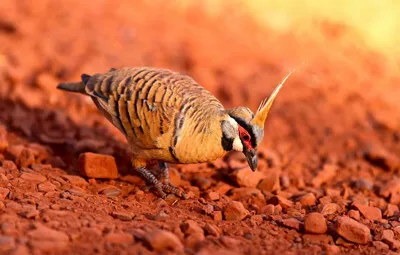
(198, 152)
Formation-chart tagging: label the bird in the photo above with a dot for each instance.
(167, 117)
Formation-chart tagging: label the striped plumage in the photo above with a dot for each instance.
(167, 116)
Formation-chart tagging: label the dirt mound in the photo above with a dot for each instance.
(328, 163)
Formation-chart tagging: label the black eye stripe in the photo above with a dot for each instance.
(248, 128)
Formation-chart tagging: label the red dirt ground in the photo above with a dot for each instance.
(331, 141)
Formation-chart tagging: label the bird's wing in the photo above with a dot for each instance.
(146, 103)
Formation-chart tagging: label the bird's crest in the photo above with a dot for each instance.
(265, 105)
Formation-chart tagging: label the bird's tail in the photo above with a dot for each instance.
(77, 87)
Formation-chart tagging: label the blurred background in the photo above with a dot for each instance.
(345, 90)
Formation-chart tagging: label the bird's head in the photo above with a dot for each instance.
(244, 130)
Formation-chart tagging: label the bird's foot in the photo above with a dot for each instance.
(161, 188)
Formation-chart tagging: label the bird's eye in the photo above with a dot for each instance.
(246, 137)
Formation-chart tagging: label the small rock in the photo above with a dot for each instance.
(30, 214)
(3, 138)
(7, 244)
(75, 180)
(381, 157)
(271, 181)
(25, 158)
(308, 199)
(268, 209)
(175, 177)
(390, 188)
(190, 227)
(47, 239)
(217, 215)
(4, 193)
(119, 238)
(328, 209)
(363, 184)
(318, 238)
(111, 192)
(354, 214)
(213, 230)
(235, 211)
(256, 220)
(208, 209)
(161, 240)
(222, 188)
(326, 174)
(202, 183)
(387, 237)
(370, 213)
(284, 180)
(278, 200)
(391, 210)
(229, 241)
(315, 223)
(352, 230)
(213, 196)
(33, 177)
(380, 246)
(246, 177)
(292, 223)
(98, 166)
(122, 216)
(46, 187)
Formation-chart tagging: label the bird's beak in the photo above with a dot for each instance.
(252, 158)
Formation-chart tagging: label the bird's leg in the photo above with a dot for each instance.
(164, 177)
(164, 172)
(160, 188)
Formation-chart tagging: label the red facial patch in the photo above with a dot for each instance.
(245, 136)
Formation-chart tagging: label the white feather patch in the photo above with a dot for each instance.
(237, 144)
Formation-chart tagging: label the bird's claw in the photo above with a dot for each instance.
(163, 189)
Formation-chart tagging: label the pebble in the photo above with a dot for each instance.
(387, 237)
(354, 214)
(315, 223)
(381, 157)
(246, 177)
(208, 209)
(268, 209)
(370, 213)
(47, 239)
(4, 193)
(235, 211)
(308, 199)
(328, 209)
(352, 230)
(327, 173)
(75, 180)
(271, 181)
(175, 177)
(381, 246)
(46, 187)
(122, 216)
(119, 238)
(162, 240)
(292, 223)
(30, 214)
(213, 196)
(391, 210)
(33, 177)
(7, 243)
(190, 227)
(217, 215)
(363, 184)
(213, 230)
(111, 192)
(25, 158)
(94, 165)
(202, 183)
(278, 200)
